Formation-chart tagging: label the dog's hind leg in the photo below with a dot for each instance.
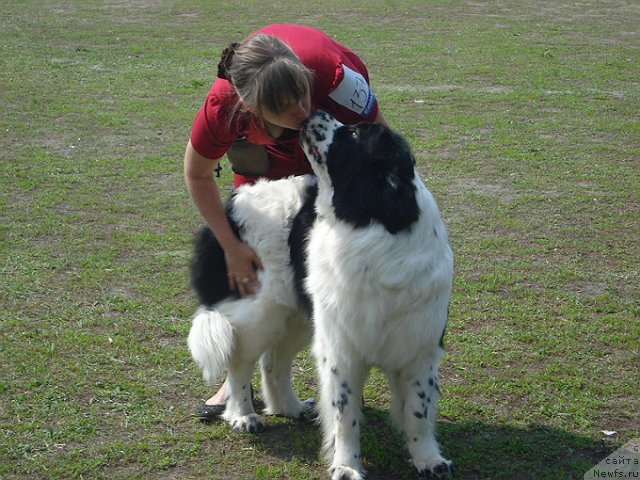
(341, 382)
(276, 371)
(239, 412)
(415, 408)
(252, 338)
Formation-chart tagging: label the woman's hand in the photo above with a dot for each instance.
(242, 266)
(242, 261)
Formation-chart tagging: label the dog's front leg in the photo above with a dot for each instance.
(341, 382)
(419, 394)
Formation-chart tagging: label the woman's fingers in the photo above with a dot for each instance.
(242, 264)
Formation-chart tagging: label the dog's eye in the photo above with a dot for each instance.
(355, 134)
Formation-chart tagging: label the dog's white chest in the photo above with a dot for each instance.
(379, 289)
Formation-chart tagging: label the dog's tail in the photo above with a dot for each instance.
(211, 342)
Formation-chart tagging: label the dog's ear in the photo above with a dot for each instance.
(373, 181)
(394, 162)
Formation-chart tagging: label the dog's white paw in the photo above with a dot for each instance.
(251, 423)
(342, 472)
(437, 469)
(303, 411)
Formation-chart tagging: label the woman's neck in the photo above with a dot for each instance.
(275, 131)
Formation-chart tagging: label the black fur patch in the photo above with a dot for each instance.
(298, 240)
(372, 171)
(441, 342)
(208, 266)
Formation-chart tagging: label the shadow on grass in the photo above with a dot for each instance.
(503, 452)
(478, 450)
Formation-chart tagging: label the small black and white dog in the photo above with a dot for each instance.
(232, 333)
(362, 251)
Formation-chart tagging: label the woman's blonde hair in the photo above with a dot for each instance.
(266, 74)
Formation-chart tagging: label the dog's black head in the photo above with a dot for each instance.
(369, 167)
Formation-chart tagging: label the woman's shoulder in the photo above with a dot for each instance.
(222, 93)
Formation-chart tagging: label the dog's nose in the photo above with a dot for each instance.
(306, 121)
(310, 118)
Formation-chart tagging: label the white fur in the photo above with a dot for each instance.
(269, 326)
(379, 299)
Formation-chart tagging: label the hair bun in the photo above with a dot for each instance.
(225, 61)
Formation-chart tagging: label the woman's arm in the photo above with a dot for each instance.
(380, 119)
(241, 260)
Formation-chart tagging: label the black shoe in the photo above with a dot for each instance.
(209, 413)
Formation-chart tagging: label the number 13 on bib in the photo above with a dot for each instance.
(354, 93)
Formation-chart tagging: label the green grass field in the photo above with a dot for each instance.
(524, 119)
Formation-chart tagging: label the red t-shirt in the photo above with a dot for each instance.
(340, 87)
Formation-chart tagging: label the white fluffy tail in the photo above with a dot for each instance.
(211, 343)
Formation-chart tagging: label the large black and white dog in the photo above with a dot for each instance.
(362, 251)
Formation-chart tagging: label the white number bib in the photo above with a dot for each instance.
(354, 93)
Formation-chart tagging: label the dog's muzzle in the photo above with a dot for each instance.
(316, 135)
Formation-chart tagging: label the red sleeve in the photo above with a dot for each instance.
(342, 84)
(211, 133)
(350, 92)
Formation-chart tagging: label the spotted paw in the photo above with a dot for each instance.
(309, 413)
(440, 471)
(251, 423)
(342, 472)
